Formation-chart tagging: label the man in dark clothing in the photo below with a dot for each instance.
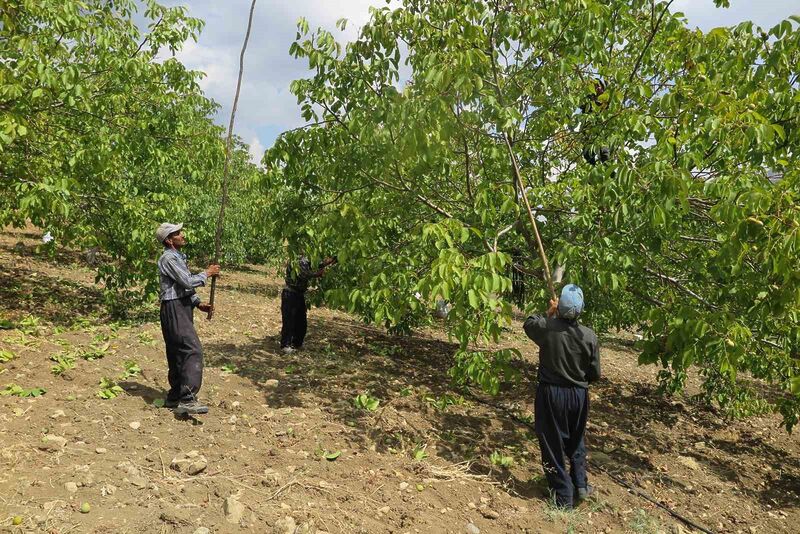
(569, 360)
(293, 302)
(178, 300)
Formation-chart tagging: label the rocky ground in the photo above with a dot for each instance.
(289, 446)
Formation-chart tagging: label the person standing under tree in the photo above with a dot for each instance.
(294, 318)
(569, 360)
(178, 300)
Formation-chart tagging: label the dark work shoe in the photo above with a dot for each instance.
(584, 493)
(171, 404)
(191, 408)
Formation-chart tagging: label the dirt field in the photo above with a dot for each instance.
(284, 448)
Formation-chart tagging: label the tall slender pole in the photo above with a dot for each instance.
(542, 255)
(224, 200)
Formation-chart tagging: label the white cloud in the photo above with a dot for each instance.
(256, 150)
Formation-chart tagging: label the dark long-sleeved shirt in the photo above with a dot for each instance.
(297, 279)
(176, 281)
(569, 353)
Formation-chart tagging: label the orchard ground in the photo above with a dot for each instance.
(285, 448)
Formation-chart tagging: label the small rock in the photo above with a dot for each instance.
(176, 517)
(271, 383)
(699, 445)
(52, 442)
(234, 510)
(403, 486)
(472, 505)
(488, 513)
(271, 478)
(71, 487)
(201, 530)
(232, 420)
(139, 482)
(485, 500)
(57, 414)
(236, 405)
(384, 510)
(101, 450)
(603, 424)
(689, 462)
(286, 525)
(135, 425)
(108, 489)
(190, 463)
(472, 529)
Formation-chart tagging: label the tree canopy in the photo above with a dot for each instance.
(104, 134)
(406, 172)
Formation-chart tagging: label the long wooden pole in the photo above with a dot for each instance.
(539, 244)
(224, 200)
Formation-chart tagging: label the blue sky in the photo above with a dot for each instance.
(266, 107)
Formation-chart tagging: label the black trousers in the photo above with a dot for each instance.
(294, 318)
(184, 352)
(561, 413)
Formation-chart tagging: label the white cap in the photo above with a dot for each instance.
(165, 229)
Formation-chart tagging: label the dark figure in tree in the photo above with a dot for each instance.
(595, 102)
(569, 360)
(293, 301)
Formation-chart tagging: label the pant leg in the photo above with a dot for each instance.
(576, 446)
(287, 324)
(172, 342)
(301, 322)
(551, 425)
(191, 352)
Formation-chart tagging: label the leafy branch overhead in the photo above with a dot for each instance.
(688, 233)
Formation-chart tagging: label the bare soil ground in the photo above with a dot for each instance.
(284, 449)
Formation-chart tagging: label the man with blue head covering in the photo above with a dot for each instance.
(569, 360)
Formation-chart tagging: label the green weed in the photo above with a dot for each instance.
(366, 402)
(444, 402)
(501, 460)
(94, 352)
(18, 391)
(109, 388)
(419, 453)
(6, 356)
(642, 523)
(145, 338)
(63, 363)
(131, 369)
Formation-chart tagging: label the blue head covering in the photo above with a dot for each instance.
(570, 305)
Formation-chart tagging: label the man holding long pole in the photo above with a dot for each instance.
(178, 300)
(569, 360)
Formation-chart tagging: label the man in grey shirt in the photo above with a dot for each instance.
(569, 360)
(178, 300)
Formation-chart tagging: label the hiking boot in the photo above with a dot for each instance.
(171, 404)
(191, 408)
(584, 493)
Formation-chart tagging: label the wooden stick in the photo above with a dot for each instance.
(539, 244)
(224, 201)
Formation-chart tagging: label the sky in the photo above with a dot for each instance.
(267, 108)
